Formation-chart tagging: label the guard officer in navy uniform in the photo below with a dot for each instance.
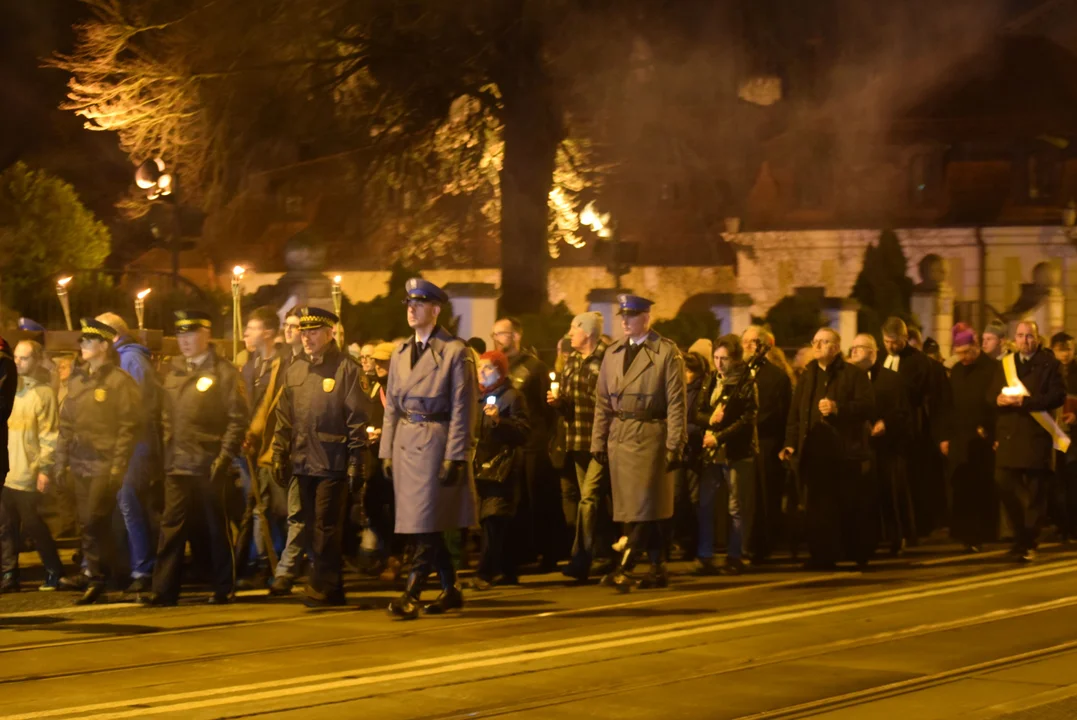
(640, 431)
(203, 419)
(99, 420)
(321, 435)
(428, 444)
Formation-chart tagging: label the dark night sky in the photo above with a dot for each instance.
(32, 127)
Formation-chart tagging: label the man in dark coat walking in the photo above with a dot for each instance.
(9, 384)
(827, 434)
(1027, 388)
(891, 429)
(968, 434)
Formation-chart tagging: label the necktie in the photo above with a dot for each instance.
(630, 354)
(417, 352)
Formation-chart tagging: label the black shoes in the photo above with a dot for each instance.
(9, 583)
(74, 582)
(656, 579)
(314, 599)
(94, 592)
(281, 586)
(155, 600)
(219, 598)
(138, 586)
(451, 599)
(406, 607)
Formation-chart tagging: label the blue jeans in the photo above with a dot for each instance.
(142, 547)
(738, 478)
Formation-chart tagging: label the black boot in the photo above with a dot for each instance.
(451, 599)
(93, 593)
(406, 607)
(621, 578)
(656, 578)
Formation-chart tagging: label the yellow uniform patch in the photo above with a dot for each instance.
(204, 383)
(328, 384)
(99, 394)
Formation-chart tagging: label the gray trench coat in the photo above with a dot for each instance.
(638, 417)
(430, 412)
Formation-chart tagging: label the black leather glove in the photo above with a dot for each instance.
(603, 458)
(387, 468)
(276, 470)
(451, 472)
(674, 459)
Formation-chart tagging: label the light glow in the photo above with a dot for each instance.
(142, 295)
(62, 282)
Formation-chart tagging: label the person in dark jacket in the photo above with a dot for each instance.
(502, 431)
(1027, 388)
(697, 378)
(143, 471)
(9, 385)
(968, 437)
(99, 425)
(891, 430)
(321, 435)
(541, 528)
(827, 435)
(1063, 506)
(923, 379)
(727, 409)
(204, 420)
(775, 390)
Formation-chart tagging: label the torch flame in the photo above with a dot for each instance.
(142, 295)
(238, 270)
(336, 279)
(62, 282)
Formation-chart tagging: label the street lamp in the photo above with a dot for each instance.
(153, 177)
(237, 276)
(65, 303)
(140, 307)
(337, 302)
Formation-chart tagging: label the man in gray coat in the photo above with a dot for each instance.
(427, 445)
(640, 431)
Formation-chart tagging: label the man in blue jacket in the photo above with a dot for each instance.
(142, 471)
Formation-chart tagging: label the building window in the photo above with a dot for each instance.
(925, 180)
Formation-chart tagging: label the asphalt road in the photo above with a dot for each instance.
(935, 634)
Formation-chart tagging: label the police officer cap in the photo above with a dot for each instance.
(419, 289)
(96, 330)
(312, 318)
(633, 304)
(28, 325)
(191, 320)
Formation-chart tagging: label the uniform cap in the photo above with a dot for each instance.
(191, 320)
(97, 330)
(28, 325)
(633, 304)
(312, 318)
(419, 289)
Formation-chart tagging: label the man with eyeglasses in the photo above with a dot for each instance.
(775, 389)
(827, 435)
(427, 445)
(539, 516)
(891, 430)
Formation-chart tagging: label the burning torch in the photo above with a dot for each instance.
(237, 277)
(61, 292)
(337, 301)
(140, 307)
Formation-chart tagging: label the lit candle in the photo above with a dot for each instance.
(555, 386)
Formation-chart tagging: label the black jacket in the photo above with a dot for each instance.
(1022, 443)
(842, 436)
(531, 378)
(775, 391)
(922, 385)
(504, 439)
(322, 416)
(971, 408)
(204, 414)
(9, 384)
(892, 407)
(736, 431)
(99, 423)
(693, 393)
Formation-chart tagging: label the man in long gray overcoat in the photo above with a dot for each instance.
(427, 445)
(640, 430)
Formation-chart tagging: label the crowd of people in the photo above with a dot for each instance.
(300, 459)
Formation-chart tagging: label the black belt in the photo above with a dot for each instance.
(640, 415)
(418, 417)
